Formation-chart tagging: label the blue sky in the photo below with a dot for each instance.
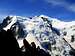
(61, 9)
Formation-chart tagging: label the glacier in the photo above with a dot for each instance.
(52, 35)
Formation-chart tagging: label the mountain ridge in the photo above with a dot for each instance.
(45, 31)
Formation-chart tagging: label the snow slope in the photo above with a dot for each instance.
(50, 34)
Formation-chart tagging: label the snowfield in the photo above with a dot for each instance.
(51, 34)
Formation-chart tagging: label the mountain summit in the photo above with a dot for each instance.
(52, 35)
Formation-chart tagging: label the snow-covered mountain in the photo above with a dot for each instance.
(54, 36)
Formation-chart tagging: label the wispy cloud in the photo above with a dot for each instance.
(63, 3)
(72, 7)
(56, 2)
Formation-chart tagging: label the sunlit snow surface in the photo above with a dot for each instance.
(38, 29)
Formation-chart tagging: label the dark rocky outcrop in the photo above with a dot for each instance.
(9, 46)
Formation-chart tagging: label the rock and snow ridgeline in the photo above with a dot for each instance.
(52, 35)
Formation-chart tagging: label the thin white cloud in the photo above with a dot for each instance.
(62, 3)
(72, 7)
(56, 2)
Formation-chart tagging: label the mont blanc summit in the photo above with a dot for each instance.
(52, 35)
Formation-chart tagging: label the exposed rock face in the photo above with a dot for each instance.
(52, 35)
